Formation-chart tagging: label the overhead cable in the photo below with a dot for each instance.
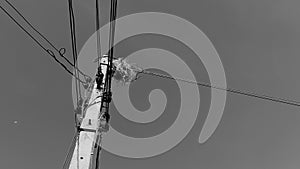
(60, 51)
(240, 92)
(74, 48)
(37, 42)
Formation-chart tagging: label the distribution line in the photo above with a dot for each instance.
(70, 150)
(98, 33)
(245, 93)
(37, 42)
(75, 57)
(61, 51)
(74, 48)
(112, 26)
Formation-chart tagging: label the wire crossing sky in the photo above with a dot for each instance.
(258, 44)
(235, 91)
(72, 22)
(61, 51)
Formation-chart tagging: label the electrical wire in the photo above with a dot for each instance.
(113, 15)
(108, 78)
(75, 48)
(246, 93)
(240, 92)
(70, 151)
(73, 45)
(98, 33)
(75, 57)
(38, 43)
(61, 51)
(99, 152)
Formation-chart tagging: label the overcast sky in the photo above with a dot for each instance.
(258, 43)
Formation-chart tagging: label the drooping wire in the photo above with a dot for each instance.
(107, 85)
(75, 57)
(60, 51)
(37, 42)
(240, 92)
(99, 149)
(108, 78)
(99, 152)
(98, 33)
(113, 15)
(70, 151)
(74, 46)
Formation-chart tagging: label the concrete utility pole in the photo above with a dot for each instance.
(93, 123)
(94, 117)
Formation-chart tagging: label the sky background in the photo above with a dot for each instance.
(258, 43)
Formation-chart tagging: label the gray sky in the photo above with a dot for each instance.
(257, 42)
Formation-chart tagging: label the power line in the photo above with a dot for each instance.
(98, 33)
(240, 92)
(113, 16)
(37, 42)
(61, 51)
(74, 47)
(112, 26)
(70, 150)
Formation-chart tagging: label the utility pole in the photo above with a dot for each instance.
(93, 122)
